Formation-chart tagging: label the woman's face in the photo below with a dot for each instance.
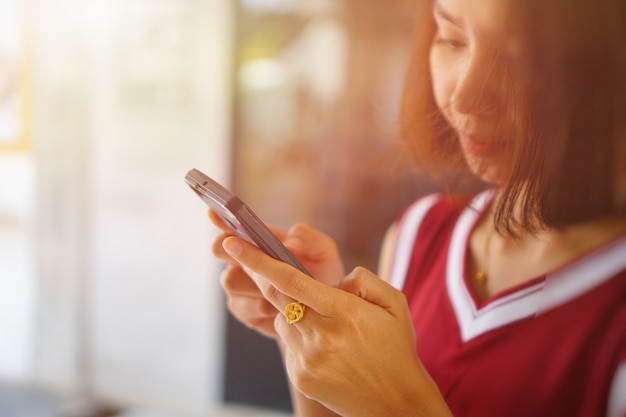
(470, 86)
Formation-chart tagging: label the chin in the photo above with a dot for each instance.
(490, 172)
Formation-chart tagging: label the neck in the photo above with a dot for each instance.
(508, 261)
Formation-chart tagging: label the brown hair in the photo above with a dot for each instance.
(570, 64)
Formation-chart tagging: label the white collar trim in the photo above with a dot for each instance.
(405, 240)
(557, 288)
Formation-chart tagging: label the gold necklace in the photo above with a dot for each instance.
(481, 274)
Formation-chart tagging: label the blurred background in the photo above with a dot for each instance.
(110, 301)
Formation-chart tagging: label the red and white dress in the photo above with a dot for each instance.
(554, 346)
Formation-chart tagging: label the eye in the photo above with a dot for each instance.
(449, 42)
(449, 35)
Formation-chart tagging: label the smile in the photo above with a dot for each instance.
(481, 148)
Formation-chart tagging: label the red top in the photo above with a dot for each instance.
(554, 346)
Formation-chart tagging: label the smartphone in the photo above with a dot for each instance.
(239, 218)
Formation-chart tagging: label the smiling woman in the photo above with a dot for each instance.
(469, 89)
(508, 107)
(473, 314)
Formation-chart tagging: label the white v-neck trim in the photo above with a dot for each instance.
(557, 288)
(405, 241)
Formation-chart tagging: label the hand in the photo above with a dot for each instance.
(354, 350)
(316, 251)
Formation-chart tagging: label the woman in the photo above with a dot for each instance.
(511, 303)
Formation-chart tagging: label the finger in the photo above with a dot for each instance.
(235, 280)
(255, 313)
(251, 310)
(217, 221)
(290, 335)
(284, 279)
(366, 285)
(317, 252)
(318, 245)
(218, 251)
(273, 295)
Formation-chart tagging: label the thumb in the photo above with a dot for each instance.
(366, 285)
(302, 237)
(317, 251)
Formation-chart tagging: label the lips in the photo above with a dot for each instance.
(479, 147)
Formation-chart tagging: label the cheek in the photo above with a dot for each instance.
(442, 84)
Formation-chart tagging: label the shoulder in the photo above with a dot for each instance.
(427, 212)
(423, 221)
(405, 228)
(433, 209)
(427, 217)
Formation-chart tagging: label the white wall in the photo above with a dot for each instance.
(17, 271)
(17, 213)
(130, 95)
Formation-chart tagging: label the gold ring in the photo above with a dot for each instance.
(294, 312)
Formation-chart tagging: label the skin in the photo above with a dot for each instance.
(339, 358)
(469, 75)
(347, 323)
(468, 78)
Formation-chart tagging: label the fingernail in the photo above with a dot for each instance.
(233, 247)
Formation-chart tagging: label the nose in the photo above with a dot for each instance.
(479, 85)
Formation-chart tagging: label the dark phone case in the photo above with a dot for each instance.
(242, 221)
